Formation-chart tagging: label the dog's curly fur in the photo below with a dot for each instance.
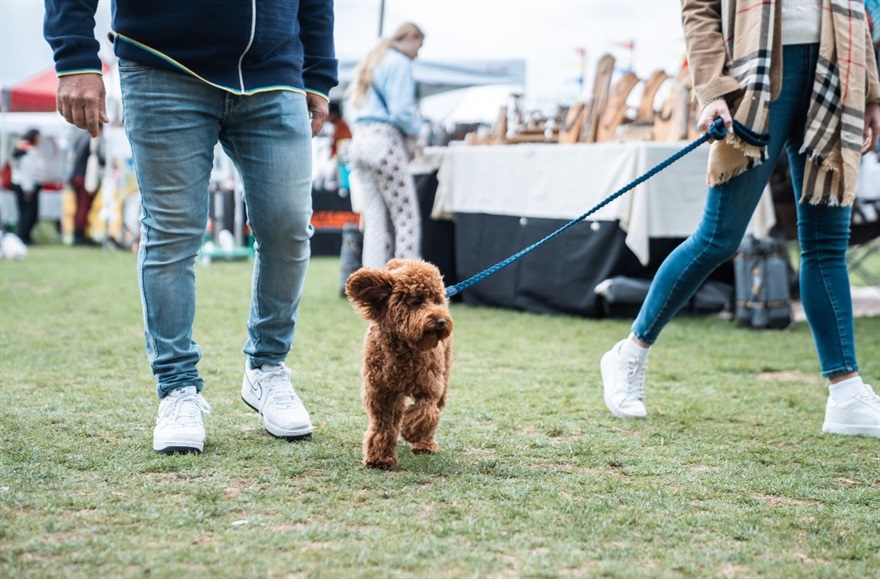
(407, 353)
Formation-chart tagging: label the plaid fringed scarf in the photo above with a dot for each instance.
(835, 120)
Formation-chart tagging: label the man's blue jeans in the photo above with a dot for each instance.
(823, 233)
(173, 122)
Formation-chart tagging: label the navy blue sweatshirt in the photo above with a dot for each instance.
(240, 46)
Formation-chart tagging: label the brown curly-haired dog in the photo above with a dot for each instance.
(407, 353)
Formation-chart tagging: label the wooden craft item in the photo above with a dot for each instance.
(645, 112)
(599, 99)
(615, 112)
(574, 122)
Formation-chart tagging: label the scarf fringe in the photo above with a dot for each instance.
(733, 147)
(821, 165)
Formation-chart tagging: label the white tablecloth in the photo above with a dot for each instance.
(565, 181)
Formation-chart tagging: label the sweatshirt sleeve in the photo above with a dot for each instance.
(69, 28)
(706, 53)
(316, 32)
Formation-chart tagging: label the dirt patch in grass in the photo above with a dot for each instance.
(780, 501)
(732, 570)
(39, 289)
(784, 376)
(698, 468)
(846, 483)
(807, 560)
(238, 487)
(584, 570)
(479, 453)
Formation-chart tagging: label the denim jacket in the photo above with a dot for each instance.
(392, 98)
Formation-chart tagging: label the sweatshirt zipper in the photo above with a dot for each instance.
(250, 42)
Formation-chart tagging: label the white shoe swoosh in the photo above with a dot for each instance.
(257, 389)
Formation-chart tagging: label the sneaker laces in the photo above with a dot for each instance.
(278, 387)
(185, 409)
(634, 385)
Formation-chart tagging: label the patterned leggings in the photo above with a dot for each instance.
(390, 212)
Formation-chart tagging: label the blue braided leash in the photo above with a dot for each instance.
(717, 131)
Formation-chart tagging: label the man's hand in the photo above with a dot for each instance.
(81, 100)
(713, 110)
(318, 111)
(872, 127)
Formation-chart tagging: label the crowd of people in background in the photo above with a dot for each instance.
(27, 174)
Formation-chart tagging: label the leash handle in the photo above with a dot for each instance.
(717, 131)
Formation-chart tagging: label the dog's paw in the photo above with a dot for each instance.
(384, 463)
(425, 447)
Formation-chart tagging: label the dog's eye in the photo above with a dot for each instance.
(417, 302)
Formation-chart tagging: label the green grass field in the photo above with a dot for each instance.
(730, 475)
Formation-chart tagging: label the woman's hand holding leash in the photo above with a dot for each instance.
(713, 109)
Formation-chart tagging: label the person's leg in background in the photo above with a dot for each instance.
(268, 137)
(399, 193)
(28, 212)
(378, 246)
(173, 161)
(84, 202)
(20, 206)
(370, 148)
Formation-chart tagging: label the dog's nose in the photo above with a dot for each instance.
(440, 322)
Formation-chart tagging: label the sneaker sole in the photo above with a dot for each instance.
(301, 434)
(615, 411)
(179, 448)
(851, 429)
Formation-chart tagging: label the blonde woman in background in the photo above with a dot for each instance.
(383, 100)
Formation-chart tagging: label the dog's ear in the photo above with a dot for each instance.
(369, 290)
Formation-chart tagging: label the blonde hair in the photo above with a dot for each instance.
(363, 72)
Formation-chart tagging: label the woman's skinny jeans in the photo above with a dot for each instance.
(823, 233)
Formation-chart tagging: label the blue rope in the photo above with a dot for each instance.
(717, 131)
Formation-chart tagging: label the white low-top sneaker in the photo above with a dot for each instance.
(180, 425)
(623, 380)
(860, 415)
(268, 391)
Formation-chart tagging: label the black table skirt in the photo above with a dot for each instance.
(559, 276)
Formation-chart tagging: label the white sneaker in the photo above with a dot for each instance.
(180, 425)
(623, 381)
(858, 415)
(268, 391)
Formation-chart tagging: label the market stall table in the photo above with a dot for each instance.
(504, 198)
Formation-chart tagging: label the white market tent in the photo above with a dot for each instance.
(436, 77)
